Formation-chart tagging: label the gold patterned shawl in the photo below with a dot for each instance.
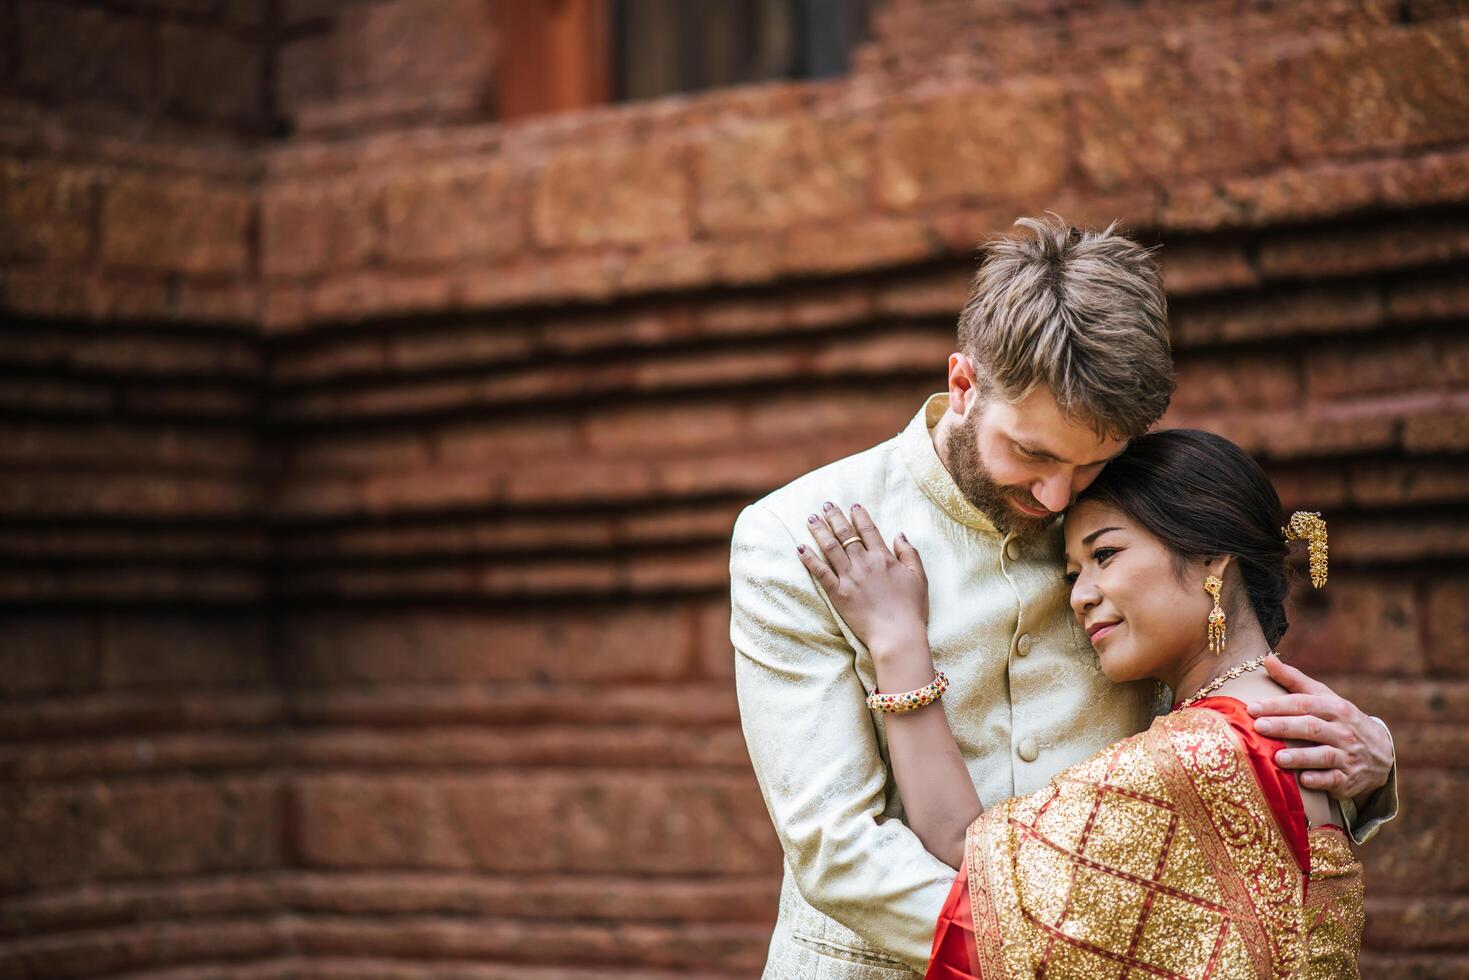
(1158, 857)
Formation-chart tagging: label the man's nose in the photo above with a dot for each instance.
(1054, 494)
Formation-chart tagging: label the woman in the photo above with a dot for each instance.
(1184, 851)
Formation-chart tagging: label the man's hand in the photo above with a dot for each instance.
(1353, 754)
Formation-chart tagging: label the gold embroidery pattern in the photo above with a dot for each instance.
(1125, 860)
(1249, 855)
(1334, 912)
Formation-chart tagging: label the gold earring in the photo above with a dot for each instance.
(1212, 585)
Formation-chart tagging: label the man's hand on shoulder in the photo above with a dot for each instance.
(1353, 755)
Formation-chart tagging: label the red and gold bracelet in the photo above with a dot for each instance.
(910, 700)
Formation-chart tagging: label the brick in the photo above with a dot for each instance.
(1352, 251)
(358, 296)
(118, 351)
(76, 443)
(77, 52)
(1344, 308)
(148, 946)
(173, 652)
(1429, 538)
(1282, 436)
(877, 412)
(1420, 858)
(205, 73)
(1189, 269)
(1370, 625)
(572, 746)
(686, 265)
(632, 643)
(580, 482)
(360, 452)
(745, 261)
(1444, 431)
(860, 244)
(552, 281)
(1399, 365)
(715, 649)
(1387, 89)
(216, 402)
(446, 215)
(306, 72)
(32, 496)
(536, 822)
(1288, 195)
(1397, 484)
(46, 212)
(1177, 117)
(495, 442)
(173, 226)
(1206, 384)
(974, 144)
(416, 47)
(43, 656)
(1446, 617)
(775, 173)
(95, 831)
(662, 429)
(315, 228)
(942, 294)
(612, 194)
(1429, 298)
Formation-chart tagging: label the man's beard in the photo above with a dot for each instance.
(961, 457)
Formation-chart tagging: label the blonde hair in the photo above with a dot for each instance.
(1080, 311)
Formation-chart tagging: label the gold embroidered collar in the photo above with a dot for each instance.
(927, 470)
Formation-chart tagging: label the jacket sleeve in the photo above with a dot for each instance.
(1364, 822)
(814, 747)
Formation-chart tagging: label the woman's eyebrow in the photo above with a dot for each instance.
(1097, 534)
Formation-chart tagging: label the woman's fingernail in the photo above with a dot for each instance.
(902, 537)
(828, 506)
(811, 519)
(856, 506)
(801, 549)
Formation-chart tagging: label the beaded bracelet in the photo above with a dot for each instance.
(910, 700)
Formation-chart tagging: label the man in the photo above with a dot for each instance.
(1064, 356)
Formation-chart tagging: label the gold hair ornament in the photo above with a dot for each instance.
(1306, 525)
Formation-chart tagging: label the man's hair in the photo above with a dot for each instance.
(1081, 312)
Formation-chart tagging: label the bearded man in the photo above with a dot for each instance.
(1063, 357)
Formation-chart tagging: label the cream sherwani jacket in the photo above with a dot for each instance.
(860, 896)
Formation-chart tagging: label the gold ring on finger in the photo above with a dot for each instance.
(855, 537)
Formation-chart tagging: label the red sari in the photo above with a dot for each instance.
(1034, 889)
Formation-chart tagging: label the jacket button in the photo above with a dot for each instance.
(1022, 645)
(1027, 749)
(1012, 549)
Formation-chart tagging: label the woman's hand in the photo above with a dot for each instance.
(882, 596)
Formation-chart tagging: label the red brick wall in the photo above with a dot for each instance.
(366, 494)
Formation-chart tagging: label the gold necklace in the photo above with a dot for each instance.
(1225, 678)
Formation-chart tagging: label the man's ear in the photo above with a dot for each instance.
(963, 388)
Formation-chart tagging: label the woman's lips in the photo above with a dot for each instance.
(1104, 631)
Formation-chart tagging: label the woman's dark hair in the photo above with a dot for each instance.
(1203, 496)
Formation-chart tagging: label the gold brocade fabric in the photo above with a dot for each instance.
(1334, 911)
(1159, 857)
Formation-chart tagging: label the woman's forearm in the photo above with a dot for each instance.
(939, 800)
